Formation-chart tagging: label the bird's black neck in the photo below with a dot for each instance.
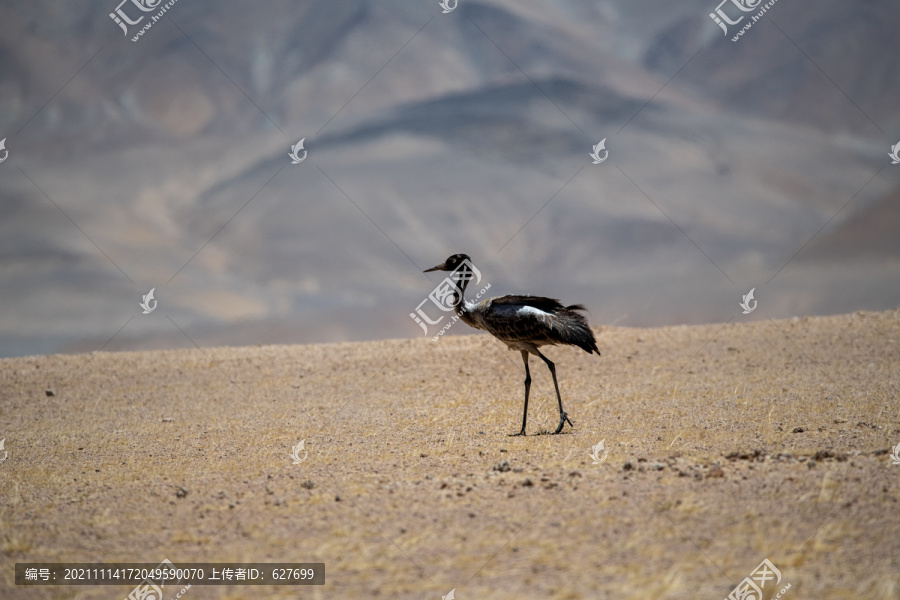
(461, 277)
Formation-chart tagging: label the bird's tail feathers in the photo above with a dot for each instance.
(581, 333)
(588, 343)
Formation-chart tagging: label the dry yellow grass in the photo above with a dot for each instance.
(708, 470)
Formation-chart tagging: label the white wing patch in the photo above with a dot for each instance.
(530, 310)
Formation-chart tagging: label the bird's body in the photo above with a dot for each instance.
(523, 323)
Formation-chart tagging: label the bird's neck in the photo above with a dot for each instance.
(461, 277)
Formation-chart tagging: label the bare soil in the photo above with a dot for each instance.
(727, 444)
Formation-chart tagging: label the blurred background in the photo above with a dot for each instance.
(163, 163)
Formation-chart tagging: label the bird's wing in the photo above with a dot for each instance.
(538, 302)
(539, 320)
(517, 323)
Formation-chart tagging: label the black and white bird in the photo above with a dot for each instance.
(523, 323)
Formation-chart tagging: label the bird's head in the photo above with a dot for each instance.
(451, 264)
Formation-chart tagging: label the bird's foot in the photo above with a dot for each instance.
(516, 434)
(563, 419)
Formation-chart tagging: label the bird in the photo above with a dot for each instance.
(523, 323)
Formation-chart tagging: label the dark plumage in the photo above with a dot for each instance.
(523, 323)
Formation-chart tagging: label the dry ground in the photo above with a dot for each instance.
(727, 444)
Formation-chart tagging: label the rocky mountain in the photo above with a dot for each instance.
(163, 163)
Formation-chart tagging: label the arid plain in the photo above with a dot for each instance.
(725, 444)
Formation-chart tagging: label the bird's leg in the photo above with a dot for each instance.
(527, 388)
(563, 417)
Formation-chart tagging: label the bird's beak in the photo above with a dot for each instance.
(440, 267)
